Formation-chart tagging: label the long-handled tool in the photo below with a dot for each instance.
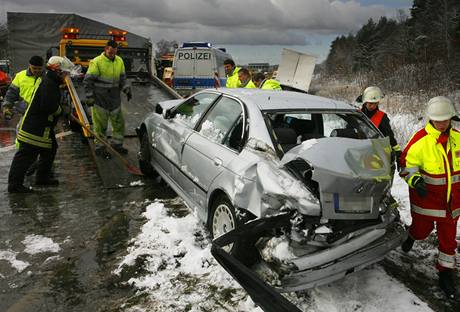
(132, 169)
(82, 120)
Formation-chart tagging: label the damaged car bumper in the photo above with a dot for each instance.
(336, 262)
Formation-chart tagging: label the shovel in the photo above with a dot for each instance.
(131, 169)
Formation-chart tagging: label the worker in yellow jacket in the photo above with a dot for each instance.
(265, 84)
(231, 71)
(431, 167)
(104, 80)
(245, 79)
(23, 87)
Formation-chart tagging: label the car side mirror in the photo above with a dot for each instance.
(169, 113)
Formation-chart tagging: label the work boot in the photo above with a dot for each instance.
(19, 189)
(101, 151)
(407, 245)
(120, 149)
(447, 283)
(47, 182)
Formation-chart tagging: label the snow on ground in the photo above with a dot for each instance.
(35, 244)
(10, 256)
(180, 274)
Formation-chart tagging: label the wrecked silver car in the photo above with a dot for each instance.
(302, 182)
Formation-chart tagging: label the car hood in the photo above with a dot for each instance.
(364, 159)
(347, 180)
(352, 175)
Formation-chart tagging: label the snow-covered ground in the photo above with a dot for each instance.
(180, 274)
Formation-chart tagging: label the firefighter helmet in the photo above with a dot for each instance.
(60, 63)
(440, 108)
(372, 95)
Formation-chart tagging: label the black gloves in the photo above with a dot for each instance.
(7, 113)
(420, 186)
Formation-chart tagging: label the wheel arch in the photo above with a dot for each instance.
(212, 198)
(220, 192)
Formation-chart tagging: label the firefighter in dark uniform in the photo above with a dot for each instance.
(371, 98)
(36, 130)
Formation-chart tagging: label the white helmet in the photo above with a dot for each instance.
(372, 95)
(61, 63)
(440, 108)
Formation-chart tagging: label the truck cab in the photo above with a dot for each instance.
(82, 48)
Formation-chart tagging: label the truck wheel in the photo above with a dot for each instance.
(144, 158)
(223, 220)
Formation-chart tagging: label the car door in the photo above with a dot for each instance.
(210, 149)
(171, 134)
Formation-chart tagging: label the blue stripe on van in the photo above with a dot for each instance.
(195, 83)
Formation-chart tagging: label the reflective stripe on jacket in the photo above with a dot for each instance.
(426, 156)
(270, 84)
(40, 118)
(104, 80)
(23, 86)
(233, 81)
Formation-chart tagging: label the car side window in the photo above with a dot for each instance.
(221, 120)
(191, 110)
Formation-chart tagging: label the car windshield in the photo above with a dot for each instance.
(292, 128)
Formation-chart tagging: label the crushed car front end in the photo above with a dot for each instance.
(342, 216)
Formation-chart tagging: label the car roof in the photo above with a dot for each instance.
(275, 100)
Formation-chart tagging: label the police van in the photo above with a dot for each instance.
(195, 65)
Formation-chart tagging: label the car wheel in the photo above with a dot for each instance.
(223, 220)
(145, 157)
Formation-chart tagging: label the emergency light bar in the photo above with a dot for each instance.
(70, 33)
(196, 45)
(118, 35)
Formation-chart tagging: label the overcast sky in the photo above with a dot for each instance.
(254, 22)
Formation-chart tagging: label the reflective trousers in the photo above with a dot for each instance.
(422, 227)
(101, 119)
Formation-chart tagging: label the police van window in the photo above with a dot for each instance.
(220, 120)
(191, 111)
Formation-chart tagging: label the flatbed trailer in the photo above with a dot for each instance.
(146, 93)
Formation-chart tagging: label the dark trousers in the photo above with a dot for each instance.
(25, 157)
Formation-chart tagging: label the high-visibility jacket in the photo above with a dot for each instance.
(40, 118)
(382, 122)
(104, 80)
(270, 84)
(23, 86)
(249, 85)
(233, 81)
(426, 156)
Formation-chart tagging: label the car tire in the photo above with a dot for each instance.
(144, 158)
(223, 219)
